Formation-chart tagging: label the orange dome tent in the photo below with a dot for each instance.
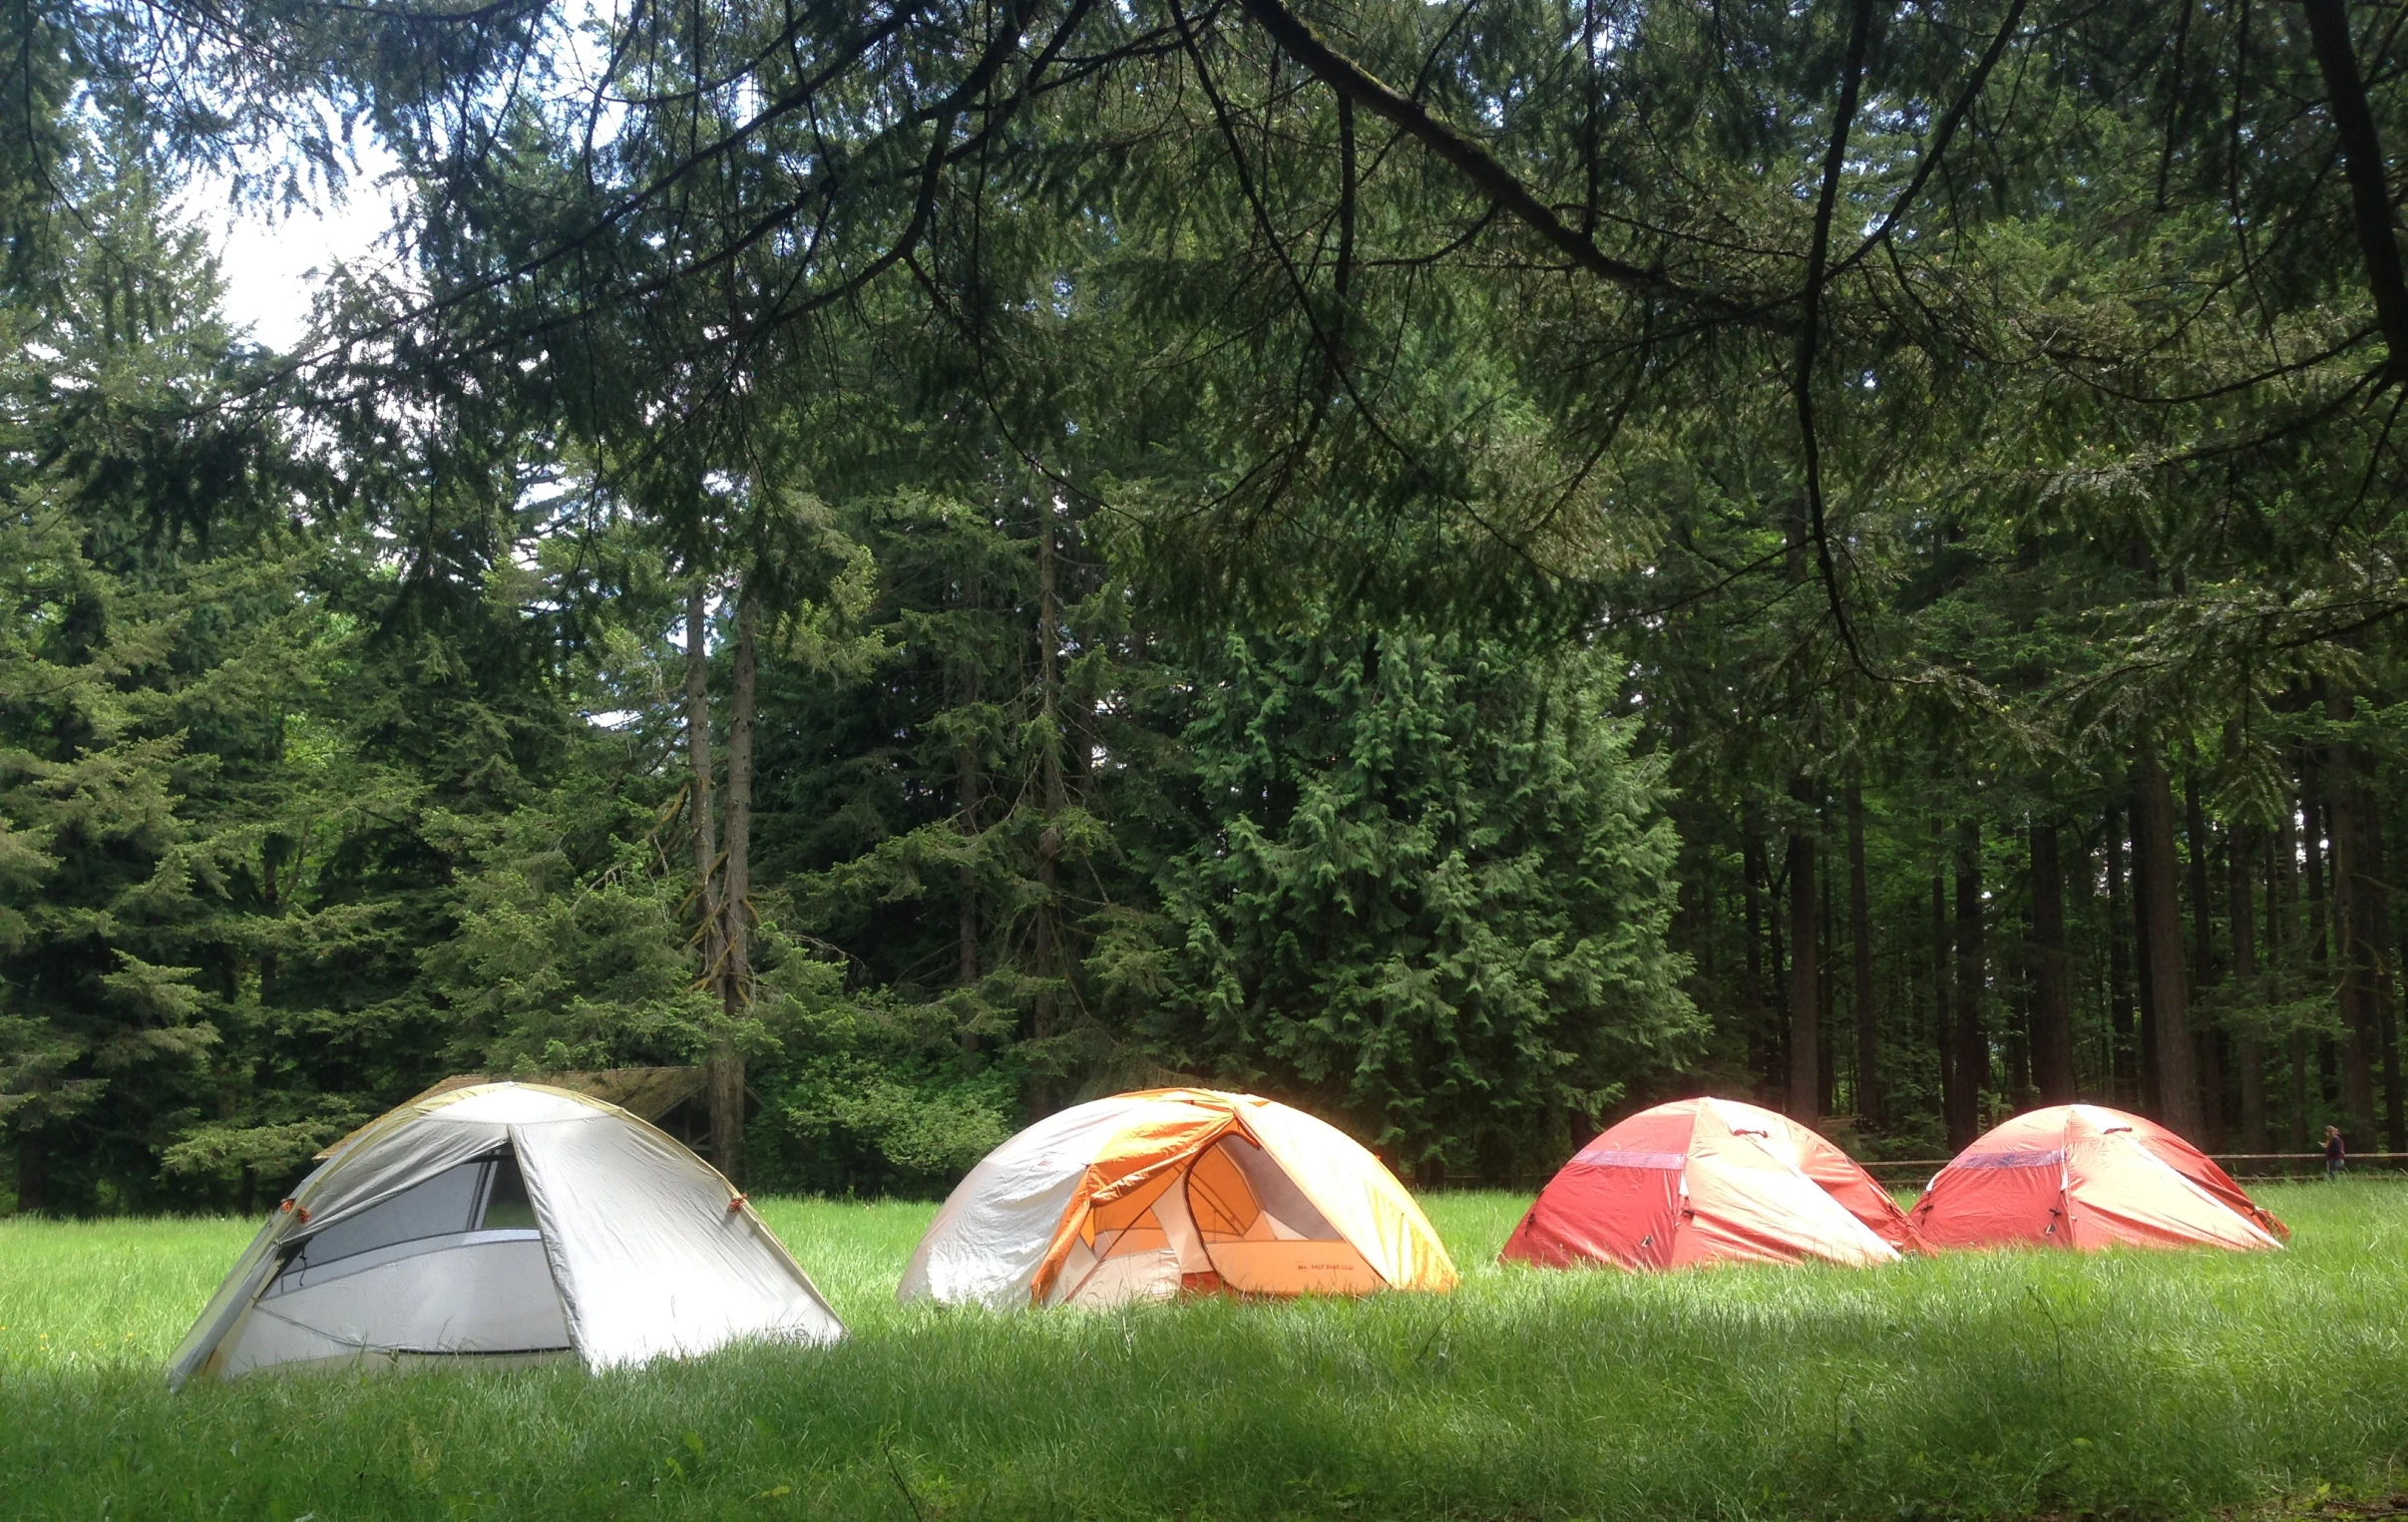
(2087, 1177)
(1140, 1196)
(1710, 1181)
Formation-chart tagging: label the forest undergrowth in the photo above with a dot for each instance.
(1974, 1386)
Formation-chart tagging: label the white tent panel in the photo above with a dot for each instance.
(1152, 1275)
(650, 1252)
(1827, 1228)
(1179, 1229)
(524, 1104)
(991, 1238)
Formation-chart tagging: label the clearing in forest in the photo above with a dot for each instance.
(2018, 1385)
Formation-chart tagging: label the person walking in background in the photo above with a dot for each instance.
(2335, 1158)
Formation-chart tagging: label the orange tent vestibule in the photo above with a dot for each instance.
(2086, 1176)
(1710, 1181)
(1142, 1196)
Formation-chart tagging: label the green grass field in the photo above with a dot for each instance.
(2013, 1384)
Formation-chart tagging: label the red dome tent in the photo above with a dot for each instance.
(2086, 1176)
(1710, 1181)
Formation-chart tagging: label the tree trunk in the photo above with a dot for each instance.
(1045, 1013)
(2143, 968)
(2283, 945)
(2359, 1035)
(2203, 914)
(2052, 1000)
(1756, 997)
(1805, 1000)
(710, 892)
(2356, 895)
(966, 911)
(2320, 942)
(2395, 1104)
(32, 1173)
(2323, 936)
(2015, 1044)
(1691, 914)
(1709, 926)
(2312, 849)
(2123, 1059)
(1860, 947)
(967, 797)
(2249, 1048)
(2207, 1036)
(1972, 1048)
(1827, 1058)
(2377, 889)
(2395, 1116)
(1943, 1022)
(1772, 1079)
(2369, 175)
(2169, 1003)
(725, 1069)
(701, 814)
(2298, 1054)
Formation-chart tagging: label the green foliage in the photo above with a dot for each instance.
(558, 962)
(274, 805)
(1254, 581)
(876, 1097)
(151, 645)
(1423, 881)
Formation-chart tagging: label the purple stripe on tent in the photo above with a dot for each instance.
(1613, 1159)
(2054, 1159)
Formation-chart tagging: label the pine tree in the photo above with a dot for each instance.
(1428, 884)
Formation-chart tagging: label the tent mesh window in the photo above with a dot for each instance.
(486, 1196)
(507, 1207)
(1238, 1194)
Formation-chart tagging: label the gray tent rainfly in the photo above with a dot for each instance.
(647, 1093)
(504, 1221)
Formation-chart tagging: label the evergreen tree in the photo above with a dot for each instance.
(1426, 884)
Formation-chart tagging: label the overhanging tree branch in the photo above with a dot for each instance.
(2362, 158)
(1492, 178)
(1941, 136)
(1835, 161)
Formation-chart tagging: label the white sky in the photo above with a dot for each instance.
(275, 263)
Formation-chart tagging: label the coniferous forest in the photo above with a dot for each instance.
(1463, 565)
